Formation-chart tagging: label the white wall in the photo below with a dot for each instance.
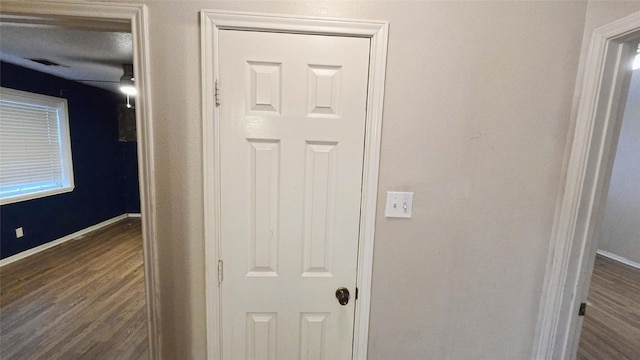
(621, 224)
(478, 104)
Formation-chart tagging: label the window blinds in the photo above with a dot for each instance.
(32, 148)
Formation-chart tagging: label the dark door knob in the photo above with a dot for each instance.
(342, 294)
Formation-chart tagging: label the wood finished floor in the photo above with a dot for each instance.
(611, 328)
(83, 299)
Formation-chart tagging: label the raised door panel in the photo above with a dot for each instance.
(261, 336)
(264, 188)
(314, 344)
(319, 208)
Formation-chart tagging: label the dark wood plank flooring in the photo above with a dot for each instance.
(83, 299)
(611, 328)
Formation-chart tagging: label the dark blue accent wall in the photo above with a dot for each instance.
(104, 169)
(130, 174)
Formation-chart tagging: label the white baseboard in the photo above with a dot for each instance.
(50, 244)
(619, 258)
(134, 215)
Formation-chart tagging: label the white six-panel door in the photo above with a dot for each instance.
(292, 123)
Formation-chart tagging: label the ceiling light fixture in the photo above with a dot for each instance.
(127, 84)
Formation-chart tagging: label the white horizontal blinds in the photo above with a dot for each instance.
(30, 147)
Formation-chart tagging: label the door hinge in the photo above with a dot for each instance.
(217, 92)
(583, 309)
(220, 271)
(356, 293)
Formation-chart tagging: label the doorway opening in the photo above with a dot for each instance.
(104, 19)
(614, 289)
(581, 205)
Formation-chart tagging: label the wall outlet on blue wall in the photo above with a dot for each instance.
(19, 233)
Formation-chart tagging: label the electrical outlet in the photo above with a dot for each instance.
(19, 233)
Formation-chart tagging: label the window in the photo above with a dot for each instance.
(35, 150)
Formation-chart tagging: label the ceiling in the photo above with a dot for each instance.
(89, 56)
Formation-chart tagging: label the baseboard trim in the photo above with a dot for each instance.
(619, 258)
(134, 215)
(50, 244)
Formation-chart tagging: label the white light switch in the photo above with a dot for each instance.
(399, 204)
(19, 233)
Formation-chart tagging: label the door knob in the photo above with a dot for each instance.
(342, 294)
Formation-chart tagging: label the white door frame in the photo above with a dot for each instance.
(120, 17)
(581, 205)
(211, 23)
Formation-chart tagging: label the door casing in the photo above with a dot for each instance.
(377, 31)
(581, 205)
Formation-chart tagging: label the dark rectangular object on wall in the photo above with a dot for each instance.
(127, 123)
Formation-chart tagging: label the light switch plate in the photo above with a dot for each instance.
(19, 233)
(399, 204)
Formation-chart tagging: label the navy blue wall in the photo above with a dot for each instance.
(104, 169)
(130, 173)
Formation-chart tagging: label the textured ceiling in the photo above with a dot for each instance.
(92, 57)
